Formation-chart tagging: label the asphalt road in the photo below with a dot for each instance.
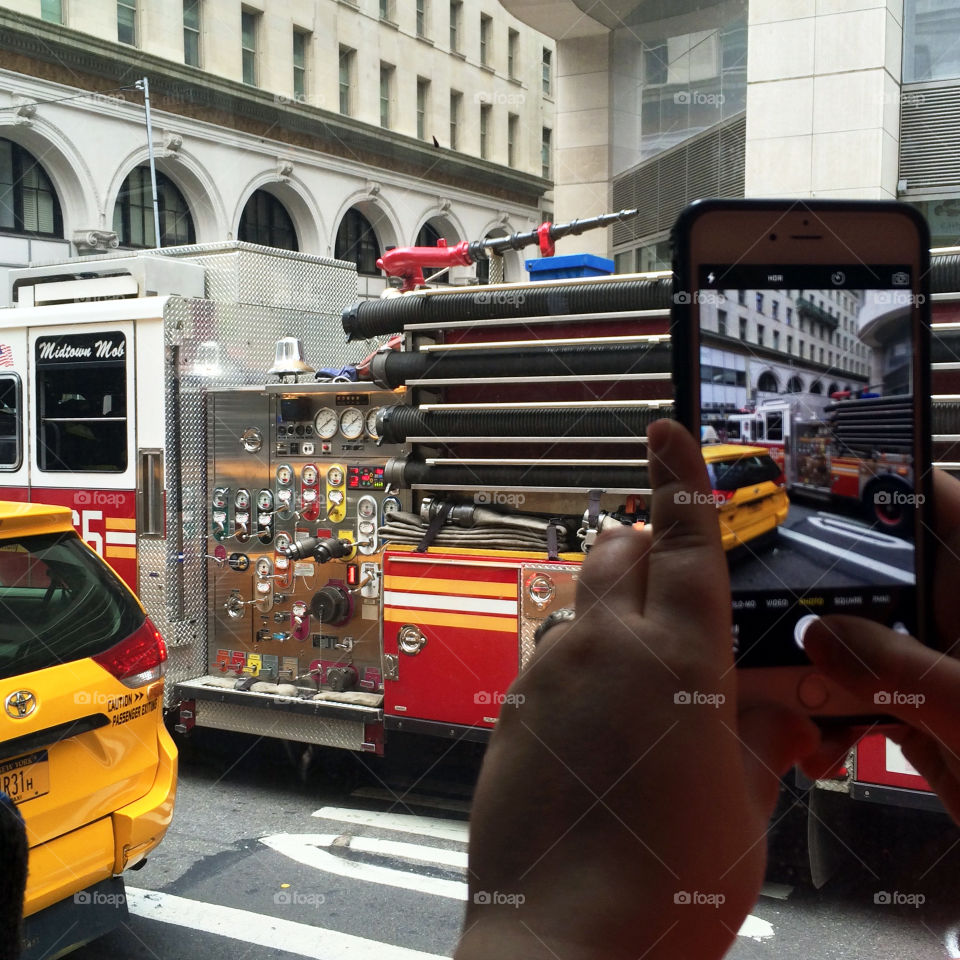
(366, 860)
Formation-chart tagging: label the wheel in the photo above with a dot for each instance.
(888, 505)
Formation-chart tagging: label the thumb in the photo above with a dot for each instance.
(890, 672)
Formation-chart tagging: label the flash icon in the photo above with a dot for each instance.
(711, 277)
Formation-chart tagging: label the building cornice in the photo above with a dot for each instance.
(55, 53)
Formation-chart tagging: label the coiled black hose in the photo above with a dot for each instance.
(402, 473)
(945, 274)
(375, 318)
(945, 346)
(396, 423)
(392, 369)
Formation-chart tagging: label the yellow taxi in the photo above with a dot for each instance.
(84, 753)
(749, 490)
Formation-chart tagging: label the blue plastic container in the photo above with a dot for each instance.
(573, 265)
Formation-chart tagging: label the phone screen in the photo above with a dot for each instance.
(807, 428)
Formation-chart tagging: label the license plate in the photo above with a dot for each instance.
(26, 777)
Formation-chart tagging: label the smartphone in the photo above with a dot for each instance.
(800, 332)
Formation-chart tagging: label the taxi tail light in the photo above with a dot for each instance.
(780, 480)
(722, 496)
(139, 659)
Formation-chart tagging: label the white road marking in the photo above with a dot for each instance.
(755, 928)
(776, 891)
(402, 822)
(901, 576)
(303, 939)
(409, 851)
(305, 849)
(877, 538)
(413, 799)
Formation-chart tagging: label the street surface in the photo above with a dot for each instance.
(368, 861)
(821, 548)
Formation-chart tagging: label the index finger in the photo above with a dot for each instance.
(688, 569)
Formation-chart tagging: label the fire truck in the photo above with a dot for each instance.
(843, 448)
(332, 561)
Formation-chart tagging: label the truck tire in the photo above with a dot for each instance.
(887, 506)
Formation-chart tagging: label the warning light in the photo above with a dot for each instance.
(353, 575)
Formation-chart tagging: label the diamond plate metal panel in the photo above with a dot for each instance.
(532, 614)
(347, 734)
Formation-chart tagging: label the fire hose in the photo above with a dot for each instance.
(375, 318)
(392, 369)
(396, 423)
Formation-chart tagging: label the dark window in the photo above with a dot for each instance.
(300, 64)
(421, 18)
(133, 212)
(11, 412)
(545, 153)
(248, 46)
(191, 32)
(127, 21)
(547, 68)
(28, 202)
(58, 603)
(265, 221)
(741, 472)
(357, 242)
(513, 46)
(51, 10)
(428, 237)
(774, 426)
(486, 25)
(82, 403)
(767, 382)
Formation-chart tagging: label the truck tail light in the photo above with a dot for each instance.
(139, 659)
(721, 497)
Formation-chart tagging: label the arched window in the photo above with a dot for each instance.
(133, 212)
(767, 382)
(794, 385)
(816, 387)
(265, 221)
(357, 242)
(428, 237)
(832, 390)
(28, 202)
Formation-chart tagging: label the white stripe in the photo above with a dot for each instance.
(402, 822)
(755, 928)
(121, 538)
(250, 928)
(305, 849)
(409, 851)
(885, 569)
(432, 601)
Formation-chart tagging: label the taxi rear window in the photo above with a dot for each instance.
(58, 602)
(741, 472)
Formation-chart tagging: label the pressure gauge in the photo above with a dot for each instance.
(326, 423)
(351, 423)
(282, 542)
(335, 497)
(308, 476)
(242, 500)
(367, 508)
(284, 475)
(334, 477)
(265, 501)
(372, 423)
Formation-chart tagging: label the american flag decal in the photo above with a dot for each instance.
(6, 355)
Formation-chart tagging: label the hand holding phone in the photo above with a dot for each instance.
(801, 361)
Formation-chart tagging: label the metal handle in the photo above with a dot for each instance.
(410, 640)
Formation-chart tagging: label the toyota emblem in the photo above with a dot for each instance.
(20, 704)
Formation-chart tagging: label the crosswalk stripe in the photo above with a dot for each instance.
(401, 822)
(251, 928)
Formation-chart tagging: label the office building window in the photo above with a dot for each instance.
(743, 328)
(346, 79)
(760, 331)
(456, 101)
(742, 297)
(513, 126)
(191, 33)
(547, 69)
(423, 101)
(759, 303)
(357, 243)
(486, 28)
(513, 53)
(386, 9)
(776, 339)
(386, 93)
(51, 10)
(545, 153)
(127, 21)
(775, 309)
(300, 48)
(28, 202)
(248, 46)
(456, 15)
(789, 343)
(423, 13)
(485, 131)
(133, 212)
(265, 221)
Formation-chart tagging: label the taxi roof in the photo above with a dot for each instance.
(27, 519)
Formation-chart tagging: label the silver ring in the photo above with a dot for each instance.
(562, 615)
